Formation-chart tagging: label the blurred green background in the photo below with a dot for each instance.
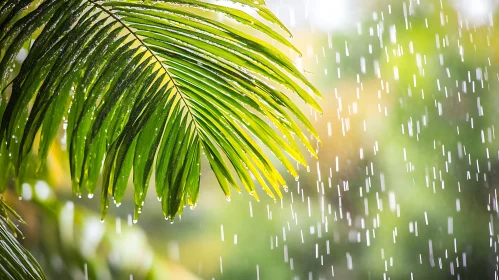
(405, 186)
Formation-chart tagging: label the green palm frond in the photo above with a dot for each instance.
(151, 85)
(15, 261)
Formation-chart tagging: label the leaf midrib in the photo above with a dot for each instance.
(177, 89)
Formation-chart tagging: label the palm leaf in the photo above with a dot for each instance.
(15, 261)
(149, 85)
